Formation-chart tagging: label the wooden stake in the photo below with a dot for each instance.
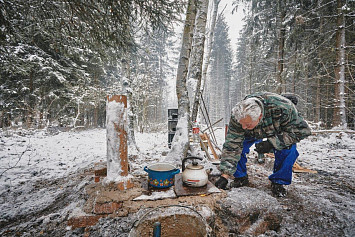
(211, 146)
(299, 169)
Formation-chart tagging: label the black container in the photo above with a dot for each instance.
(172, 122)
(172, 126)
(172, 114)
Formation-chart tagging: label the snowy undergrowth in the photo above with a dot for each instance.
(30, 157)
(39, 170)
(330, 153)
(36, 156)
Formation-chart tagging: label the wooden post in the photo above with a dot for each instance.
(117, 148)
(211, 146)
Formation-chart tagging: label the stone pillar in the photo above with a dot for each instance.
(117, 148)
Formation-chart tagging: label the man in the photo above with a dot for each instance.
(271, 122)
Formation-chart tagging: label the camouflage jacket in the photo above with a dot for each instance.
(281, 125)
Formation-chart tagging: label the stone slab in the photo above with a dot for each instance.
(182, 190)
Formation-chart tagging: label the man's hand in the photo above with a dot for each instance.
(222, 183)
(263, 147)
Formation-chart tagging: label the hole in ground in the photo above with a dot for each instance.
(175, 221)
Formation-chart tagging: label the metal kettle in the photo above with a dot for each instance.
(194, 175)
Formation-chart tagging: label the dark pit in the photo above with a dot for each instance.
(175, 222)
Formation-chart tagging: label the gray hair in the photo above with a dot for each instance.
(249, 107)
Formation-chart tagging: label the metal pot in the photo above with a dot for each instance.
(161, 175)
(194, 175)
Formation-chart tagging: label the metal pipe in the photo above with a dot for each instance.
(157, 229)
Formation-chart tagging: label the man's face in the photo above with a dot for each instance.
(248, 124)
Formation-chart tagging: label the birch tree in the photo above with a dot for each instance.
(210, 40)
(180, 144)
(196, 61)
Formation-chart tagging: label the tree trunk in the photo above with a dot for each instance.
(210, 37)
(317, 112)
(31, 102)
(280, 59)
(97, 102)
(318, 101)
(339, 114)
(126, 80)
(226, 99)
(195, 71)
(181, 143)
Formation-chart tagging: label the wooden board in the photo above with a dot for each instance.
(296, 167)
(182, 190)
(299, 169)
(211, 146)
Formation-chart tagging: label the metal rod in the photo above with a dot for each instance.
(212, 125)
(157, 229)
(209, 121)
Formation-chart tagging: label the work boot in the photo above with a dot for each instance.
(240, 182)
(278, 190)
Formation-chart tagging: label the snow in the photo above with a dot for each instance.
(332, 153)
(157, 195)
(180, 139)
(234, 19)
(117, 123)
(39, 155)
(32, 161)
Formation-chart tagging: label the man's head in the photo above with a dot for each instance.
(248, 113)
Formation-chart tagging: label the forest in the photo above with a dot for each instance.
(60, 60)
(73, 162)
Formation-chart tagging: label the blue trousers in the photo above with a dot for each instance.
(284, 160)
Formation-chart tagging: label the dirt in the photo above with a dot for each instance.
(319, 204)
(180, 225)
(46, 219)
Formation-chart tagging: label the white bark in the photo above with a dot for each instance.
(207, 58)
(116, 132)
(196, 61)
(180, 144)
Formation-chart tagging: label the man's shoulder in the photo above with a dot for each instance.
(272, 100)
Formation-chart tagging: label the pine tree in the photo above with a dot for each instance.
(59, 59)
(292, 46)
(218, 89)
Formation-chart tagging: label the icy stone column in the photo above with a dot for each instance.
(117, 149)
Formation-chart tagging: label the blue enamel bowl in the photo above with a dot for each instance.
(161, 175)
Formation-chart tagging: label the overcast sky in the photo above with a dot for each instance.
(235, 23)
(234, 20)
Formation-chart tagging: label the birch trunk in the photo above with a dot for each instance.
(195, 67)
(207, 58)
(181, 143)
(126, 80)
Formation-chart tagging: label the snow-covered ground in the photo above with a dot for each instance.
(30, 159)
(38, 155)
(32, 156)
